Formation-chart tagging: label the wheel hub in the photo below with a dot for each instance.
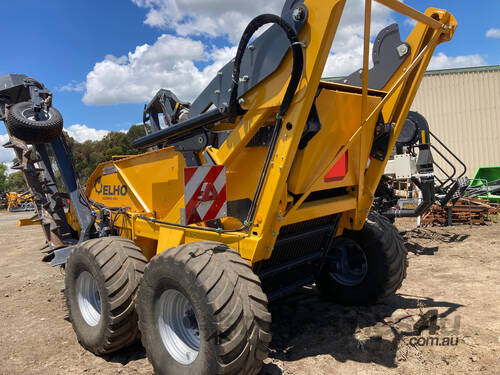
(89, 299)
(347, 261)
(41, 115)
(189, 320)
(178, 326)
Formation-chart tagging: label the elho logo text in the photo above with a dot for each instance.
(112, 190)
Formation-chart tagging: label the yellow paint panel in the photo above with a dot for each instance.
(154, 182)
(340, 117)
(168, 238)
(324, 207)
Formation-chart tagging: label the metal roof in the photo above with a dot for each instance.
(473, 69)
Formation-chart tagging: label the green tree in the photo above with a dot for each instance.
(89, 154)
(3, 176)
(15, 182)
(86, 156)
(136, 131)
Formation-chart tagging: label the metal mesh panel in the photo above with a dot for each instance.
(309, 242)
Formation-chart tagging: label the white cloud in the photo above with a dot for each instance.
(200, 17)
(6, 154)
(229, 18)
(442, 61)
(347, 50)
(410, 22)
(72, 86)
(170, 62)
(493, 33)
(173, 61)
(82, 133)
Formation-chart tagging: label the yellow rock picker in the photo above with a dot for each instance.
(261, 185)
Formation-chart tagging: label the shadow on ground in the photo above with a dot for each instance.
(123, 356)
(425, 241)
(304, 325)
(129, 354)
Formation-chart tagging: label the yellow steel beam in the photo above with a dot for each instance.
(404, 77)
(410, 12)
(26, 222)
(240, 136)
(366, 53)
(364, 91)
(324, 207)
(324, 18)
(399, 105)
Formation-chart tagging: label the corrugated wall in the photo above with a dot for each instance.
(463, 110)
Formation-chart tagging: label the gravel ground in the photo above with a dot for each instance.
(453, 271)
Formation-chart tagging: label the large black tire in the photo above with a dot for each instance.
(117, 265)
(228, 304)
(21, 124)
(385, 259)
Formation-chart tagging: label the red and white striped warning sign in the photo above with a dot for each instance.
(205, 193)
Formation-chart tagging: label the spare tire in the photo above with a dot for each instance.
(22, 124)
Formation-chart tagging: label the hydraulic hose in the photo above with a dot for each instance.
(298, 61)
(235, 109)
(297, 69)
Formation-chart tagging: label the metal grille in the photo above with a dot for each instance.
(306, 237)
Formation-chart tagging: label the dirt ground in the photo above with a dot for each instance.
(452, 270)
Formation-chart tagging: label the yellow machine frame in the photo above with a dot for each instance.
(15, 199)
(154, 181)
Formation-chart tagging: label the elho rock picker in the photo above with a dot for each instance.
(262, 185)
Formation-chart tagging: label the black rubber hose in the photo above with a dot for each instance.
(298, 61)
(234, 107)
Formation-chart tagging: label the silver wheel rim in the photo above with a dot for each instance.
(89, 300)
(178, 326)
(30, 115)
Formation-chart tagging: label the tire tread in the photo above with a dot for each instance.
(122, 264)
(236, 301)
(381, 236)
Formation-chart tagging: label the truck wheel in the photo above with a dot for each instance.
(202, 311)
(22, 124)
(366, 266)
(102, 277)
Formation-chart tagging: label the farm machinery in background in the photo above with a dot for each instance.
(20, 201)
(413, 179)
(262, 185)
(4, 203)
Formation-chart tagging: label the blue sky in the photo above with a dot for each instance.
(105, 59)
